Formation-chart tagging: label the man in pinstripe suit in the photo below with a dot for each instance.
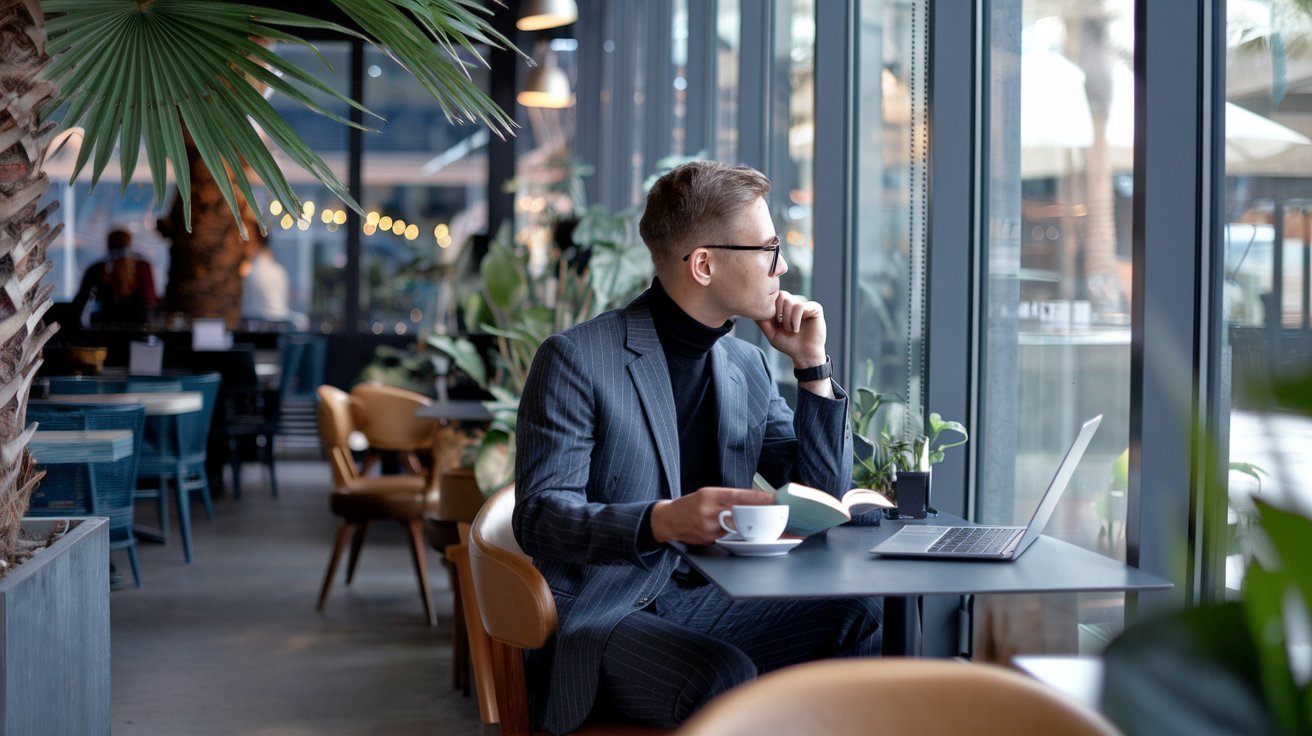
(637, 428)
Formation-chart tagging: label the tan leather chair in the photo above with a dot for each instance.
(359, 500)
(857, 697)
(386, 417)
(518, 613)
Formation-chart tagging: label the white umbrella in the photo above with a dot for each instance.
(1248, 136)
(1056, 126)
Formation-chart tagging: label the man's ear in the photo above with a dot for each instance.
(699, 268)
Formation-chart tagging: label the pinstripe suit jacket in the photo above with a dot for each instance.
(597, 443)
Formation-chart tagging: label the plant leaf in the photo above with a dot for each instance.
(503, 277)
(464, 353)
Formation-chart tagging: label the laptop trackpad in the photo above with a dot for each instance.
(910, 539)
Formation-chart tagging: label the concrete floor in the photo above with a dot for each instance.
(231, 644)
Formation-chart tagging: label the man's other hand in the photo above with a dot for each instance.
(695, 518)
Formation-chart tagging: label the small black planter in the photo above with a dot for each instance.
(912, 493)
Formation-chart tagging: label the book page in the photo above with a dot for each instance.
(859, 500)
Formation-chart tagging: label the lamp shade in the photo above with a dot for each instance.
(546, 86)
(535, 15)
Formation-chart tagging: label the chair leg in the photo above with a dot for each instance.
(132, 560)
(205, 496)
(234, 461)
(357, 541)
(343, 531)
(273, 476)
(459, 638)
(480, 644)
(184, 515)
(416, 527)
(162, 507)
(512, 693)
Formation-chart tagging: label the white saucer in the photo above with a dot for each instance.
(772, 548)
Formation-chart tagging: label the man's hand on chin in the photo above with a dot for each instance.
(798, 330)
(695, 518)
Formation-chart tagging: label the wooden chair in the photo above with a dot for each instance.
(855, 697)
(386, 417)
(518, 612)
(359, 500)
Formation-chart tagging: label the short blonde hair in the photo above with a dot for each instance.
(696, 200)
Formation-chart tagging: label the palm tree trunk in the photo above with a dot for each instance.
(24, 236)
(204, 264)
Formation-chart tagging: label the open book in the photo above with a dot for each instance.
(811, 510)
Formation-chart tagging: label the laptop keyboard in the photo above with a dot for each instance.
(975, 540)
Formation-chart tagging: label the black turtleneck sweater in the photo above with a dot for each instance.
(687, 344)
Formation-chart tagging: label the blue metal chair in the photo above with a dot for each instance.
(174, 450)
(93, 489)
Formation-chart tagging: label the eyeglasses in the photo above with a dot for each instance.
(773, 247)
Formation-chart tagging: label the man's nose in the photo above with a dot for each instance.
(781, 267)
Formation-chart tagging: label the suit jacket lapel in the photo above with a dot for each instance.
(734, 415)
(651, 379)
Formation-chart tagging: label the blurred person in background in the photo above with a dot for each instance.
(119, 289)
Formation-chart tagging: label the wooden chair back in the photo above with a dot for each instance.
(855, 697)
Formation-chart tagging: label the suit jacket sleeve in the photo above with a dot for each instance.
(812, 446)
(558, 515)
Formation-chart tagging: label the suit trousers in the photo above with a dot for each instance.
(692, 643)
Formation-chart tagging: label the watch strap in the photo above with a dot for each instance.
(814, 373)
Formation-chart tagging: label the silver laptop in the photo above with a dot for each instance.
(990, 542)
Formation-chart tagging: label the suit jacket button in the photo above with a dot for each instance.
(641, 602)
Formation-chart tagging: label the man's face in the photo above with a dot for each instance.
(742, 283)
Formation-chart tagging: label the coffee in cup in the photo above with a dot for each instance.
(756, 523)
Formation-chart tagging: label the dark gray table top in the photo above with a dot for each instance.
(455, 410)
(838, 563)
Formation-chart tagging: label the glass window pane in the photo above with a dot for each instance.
(1267, 237)
(728, 30)
(1056, 342)
(312, 251)
(89, 215)
(890, 80)
(792, 141)
(426, 180)
(679, 77)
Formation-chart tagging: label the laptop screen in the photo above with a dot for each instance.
(1059, 481)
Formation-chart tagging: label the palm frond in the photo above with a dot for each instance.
(424, 37)
(138, 72)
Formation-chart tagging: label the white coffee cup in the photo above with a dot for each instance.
(756, 523)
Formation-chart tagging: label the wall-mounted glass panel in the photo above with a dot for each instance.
(1057, 268)
(425, 192)
(1268, 248)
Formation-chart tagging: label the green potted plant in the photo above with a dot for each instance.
(879, 452)
(522, 309)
